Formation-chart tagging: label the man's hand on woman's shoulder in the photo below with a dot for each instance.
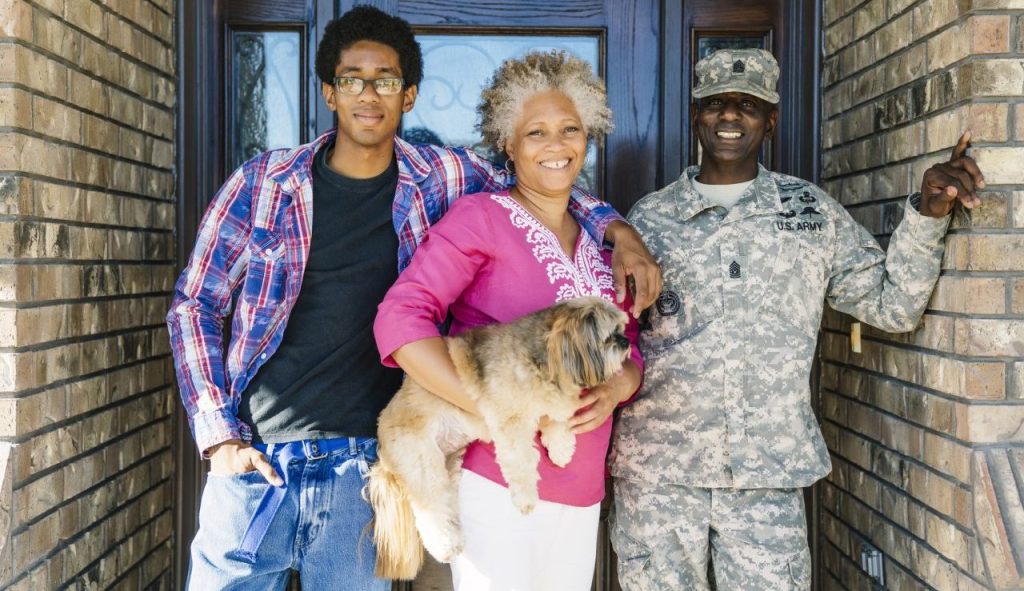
(630, 258)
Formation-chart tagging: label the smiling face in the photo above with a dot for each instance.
(731, 128)
(368, 120)
(548, 145)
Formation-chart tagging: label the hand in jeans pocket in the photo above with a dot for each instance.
(235, 457)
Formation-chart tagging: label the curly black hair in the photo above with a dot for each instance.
(366, 23)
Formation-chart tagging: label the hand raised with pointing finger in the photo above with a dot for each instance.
(948, 182)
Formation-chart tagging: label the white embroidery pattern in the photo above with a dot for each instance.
(588, 275)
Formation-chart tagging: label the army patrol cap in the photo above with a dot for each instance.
(753, 71)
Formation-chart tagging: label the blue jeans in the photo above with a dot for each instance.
(321, 528)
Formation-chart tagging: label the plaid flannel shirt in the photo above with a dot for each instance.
(251, 251)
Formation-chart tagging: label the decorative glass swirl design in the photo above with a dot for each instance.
(266, 90)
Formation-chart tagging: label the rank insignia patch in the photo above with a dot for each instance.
(667, 303)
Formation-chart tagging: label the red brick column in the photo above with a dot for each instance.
(86, 265)
(927, 428)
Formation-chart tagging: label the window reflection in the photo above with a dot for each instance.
(266, 66)
(708, 44)
(458, 67)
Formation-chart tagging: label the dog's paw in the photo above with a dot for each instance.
(441, 537)
(561, 455)
(444, 549)
(526, 503)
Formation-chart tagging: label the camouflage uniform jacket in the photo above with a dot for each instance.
(729, 344)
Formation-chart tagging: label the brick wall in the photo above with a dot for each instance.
(927, 429)
(86, 265)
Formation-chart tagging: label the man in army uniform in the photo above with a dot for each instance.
(709, 460)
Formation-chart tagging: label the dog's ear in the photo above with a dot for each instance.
(575, 347)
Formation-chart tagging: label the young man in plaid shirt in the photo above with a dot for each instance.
(286, 410)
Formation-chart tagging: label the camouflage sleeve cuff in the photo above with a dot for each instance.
(924, 229)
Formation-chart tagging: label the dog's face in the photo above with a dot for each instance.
(586, 344)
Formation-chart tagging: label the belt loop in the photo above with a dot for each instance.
(270, 452)
(353, 446)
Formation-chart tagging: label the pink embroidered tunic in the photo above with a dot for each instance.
(489, 260)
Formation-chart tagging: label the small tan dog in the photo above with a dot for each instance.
(516, 373)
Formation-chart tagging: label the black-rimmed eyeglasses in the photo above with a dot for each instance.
(353, 85)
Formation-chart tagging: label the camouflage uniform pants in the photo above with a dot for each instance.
(666, 537)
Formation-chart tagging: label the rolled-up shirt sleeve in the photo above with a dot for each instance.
(887, 289)
(452, 254)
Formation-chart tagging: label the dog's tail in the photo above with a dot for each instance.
(399, 550)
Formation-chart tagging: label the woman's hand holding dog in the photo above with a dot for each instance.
(599, 403)
(235, 457)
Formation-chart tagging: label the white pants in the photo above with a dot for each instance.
(553, 548)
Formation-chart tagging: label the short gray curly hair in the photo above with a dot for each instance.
(539, 71)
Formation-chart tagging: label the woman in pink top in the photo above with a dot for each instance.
(494, 258)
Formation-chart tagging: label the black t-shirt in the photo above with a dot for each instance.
(326, 379)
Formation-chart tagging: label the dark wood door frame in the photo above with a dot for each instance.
(800, 144)
(194, 160)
